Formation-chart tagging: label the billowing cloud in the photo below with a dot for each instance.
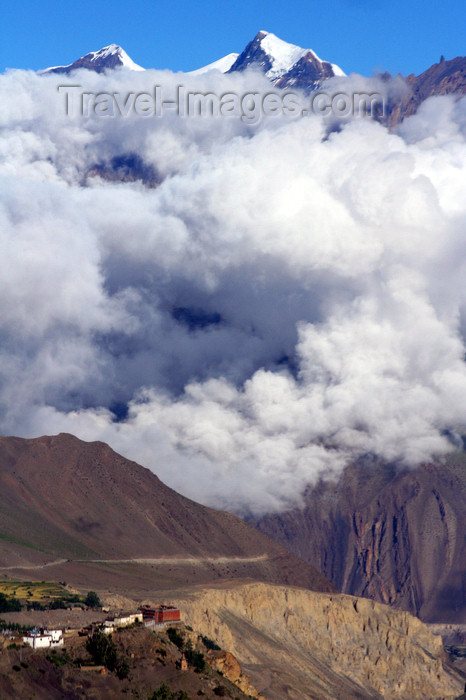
(289, 297)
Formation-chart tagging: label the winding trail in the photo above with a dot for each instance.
(183, 561)
(31, 567)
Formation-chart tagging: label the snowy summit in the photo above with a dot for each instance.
(285, 56)
(285, 64)
(223, 65)
(112, 56)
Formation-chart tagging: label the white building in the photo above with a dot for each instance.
(122, 620)
(44, 639)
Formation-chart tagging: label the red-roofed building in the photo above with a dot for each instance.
(161, 614)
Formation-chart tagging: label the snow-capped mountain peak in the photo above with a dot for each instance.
(283, 55)
(223, 65)
(111, 56)
(113, 50)
(283, 63)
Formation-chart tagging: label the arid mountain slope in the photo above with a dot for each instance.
(61, 498)
(304, 645)
(395, 536)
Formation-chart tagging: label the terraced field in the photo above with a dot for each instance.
(33, 590)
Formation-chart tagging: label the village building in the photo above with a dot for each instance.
(121, 620)
(161, 615)
(43, 638)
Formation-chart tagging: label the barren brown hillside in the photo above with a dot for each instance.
(97, 519)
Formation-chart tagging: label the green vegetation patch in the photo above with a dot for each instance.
(92, 600)
(9, 604)
(175, 637)
(163, 692)
(104, 652)
(57, 658)
(209, 643)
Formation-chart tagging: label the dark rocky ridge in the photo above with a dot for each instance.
(252, 56)
(307, 74)
(397, 537)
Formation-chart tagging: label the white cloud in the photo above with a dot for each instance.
(285, 300)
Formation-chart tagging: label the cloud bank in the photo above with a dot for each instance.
(290, 296)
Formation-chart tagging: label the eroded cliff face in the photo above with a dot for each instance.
(298, 644)
(396, 536)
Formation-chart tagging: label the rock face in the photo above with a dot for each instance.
(443, 78)
(81, 502)
(299, 644)
(394, 536)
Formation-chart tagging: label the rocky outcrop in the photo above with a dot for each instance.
(229, 666)
(396, 536)
(443, 78)
(300, 644)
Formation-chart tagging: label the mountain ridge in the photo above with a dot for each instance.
(289, 66)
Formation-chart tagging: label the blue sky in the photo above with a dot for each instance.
(360, 35)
